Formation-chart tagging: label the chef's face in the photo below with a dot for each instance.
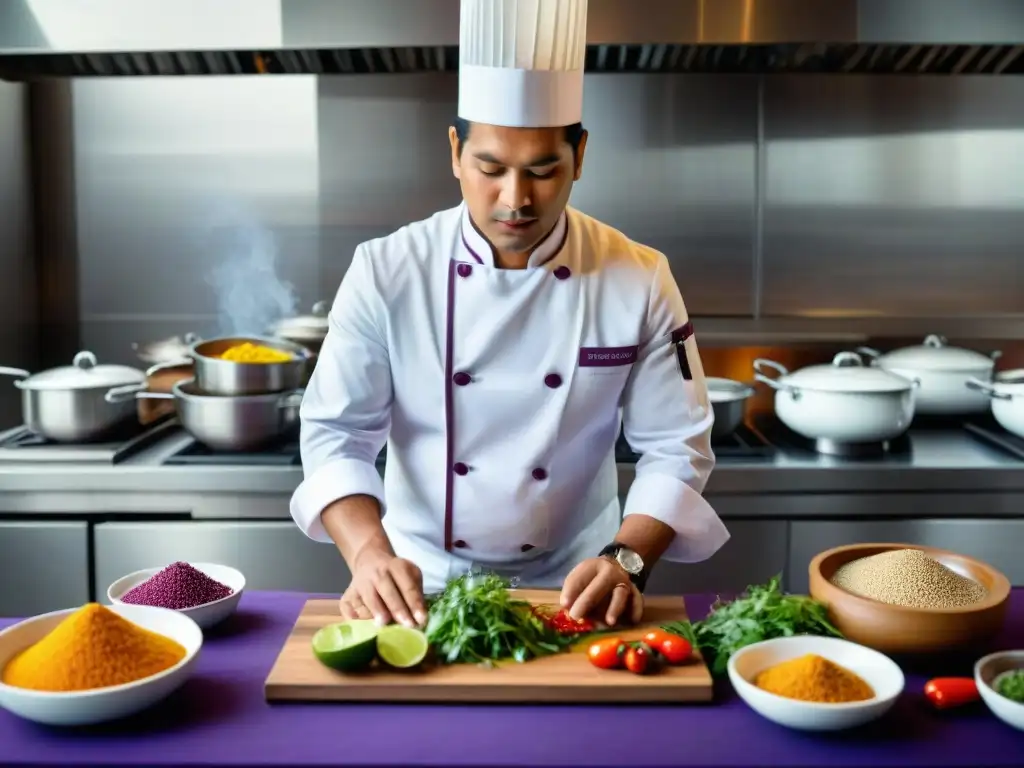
(515, 181)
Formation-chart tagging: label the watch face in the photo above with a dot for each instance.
(630, 560)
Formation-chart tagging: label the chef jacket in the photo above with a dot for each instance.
(500, 395)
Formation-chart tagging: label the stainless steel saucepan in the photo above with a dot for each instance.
(68, 404)
(214, 375)
(229, 423)
(729, 402)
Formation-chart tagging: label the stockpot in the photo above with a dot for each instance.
(845, 401)
(68, 404)
(943, 372)
(216, 376)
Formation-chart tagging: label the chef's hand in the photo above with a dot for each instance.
(602, 584)
(384, 587)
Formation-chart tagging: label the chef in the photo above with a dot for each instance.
(497, 348)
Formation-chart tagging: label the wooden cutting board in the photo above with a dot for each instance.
(562, 678)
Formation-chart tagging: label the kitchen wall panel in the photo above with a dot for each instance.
(895, 196)
(196, 203)
(17, 273)
(669, 161)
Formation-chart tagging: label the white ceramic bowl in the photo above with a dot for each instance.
(206, 615)
(876, 669)
(101, 704)
(986, 670)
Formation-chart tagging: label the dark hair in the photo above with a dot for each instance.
(573, 134)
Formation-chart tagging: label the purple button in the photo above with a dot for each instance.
(464, 270)
(540, 474)
(462, 378)
(460, 544)
(553, 380)
(526, 547)
(460, 468)
(563, 273)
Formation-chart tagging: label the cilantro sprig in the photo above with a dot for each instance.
(761, 613)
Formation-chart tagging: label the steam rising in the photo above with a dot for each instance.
(250, 295)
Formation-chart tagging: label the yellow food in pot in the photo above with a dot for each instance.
(255, 353)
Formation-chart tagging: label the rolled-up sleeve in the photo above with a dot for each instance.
(346, 410)
(667, 419)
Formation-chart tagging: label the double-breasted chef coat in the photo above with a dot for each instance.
(500, 395)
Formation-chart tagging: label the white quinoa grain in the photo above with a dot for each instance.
(908, 578)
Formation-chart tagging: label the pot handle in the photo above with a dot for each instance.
(874, 354)
(291, 399)
(759, 375)
(169, 365)
(995, 355)
(134, 392)
(988, 389)
(18, 373)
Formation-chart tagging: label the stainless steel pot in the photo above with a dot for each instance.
(172, 350)
(943, 372)
(1006, 392)
(845, 402)
(68, 404)
(215, 376)
(308, 330)
(226, 423)
(729, 402)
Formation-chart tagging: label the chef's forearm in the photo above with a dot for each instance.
(646, 536)
(354, 525)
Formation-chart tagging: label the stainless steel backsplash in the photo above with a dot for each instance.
(205, 204)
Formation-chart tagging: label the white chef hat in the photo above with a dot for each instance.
(521, 62)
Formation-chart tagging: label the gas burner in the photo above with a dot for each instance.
(781, 436)
(985, 429)
(23, 445)
(197, 454)
(744, 443)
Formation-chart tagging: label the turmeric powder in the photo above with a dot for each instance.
(92, 648)
(813, 678)
(247, 352)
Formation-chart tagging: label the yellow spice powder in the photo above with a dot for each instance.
(814, 678)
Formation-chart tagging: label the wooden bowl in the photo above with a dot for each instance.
(895, 629)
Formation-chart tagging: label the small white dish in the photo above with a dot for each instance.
(73, 708)
(876, 669)
(986, 670)
(205, 615)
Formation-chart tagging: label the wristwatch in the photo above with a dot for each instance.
(630, 562)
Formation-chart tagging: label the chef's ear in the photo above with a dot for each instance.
(580, 151)
(453, 139)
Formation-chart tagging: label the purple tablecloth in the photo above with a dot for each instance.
(220, 717)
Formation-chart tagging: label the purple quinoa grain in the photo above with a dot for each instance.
(177, 586)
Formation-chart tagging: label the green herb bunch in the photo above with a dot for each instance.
(477, 620)
(761, 613)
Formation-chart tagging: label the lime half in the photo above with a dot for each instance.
(401, 647)
(347, 645)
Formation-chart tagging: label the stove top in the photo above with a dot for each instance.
(197, 454)
(21, 444)
(986, 430)
(744, 443)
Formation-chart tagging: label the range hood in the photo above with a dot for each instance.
(80, 38)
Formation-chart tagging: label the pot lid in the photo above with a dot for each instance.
(847, 373)
(936, 355)
(83, 373)
(166, 350)
(305, 327)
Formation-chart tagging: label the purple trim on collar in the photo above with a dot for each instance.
(469, 248)
(449, 408)
(564, 223)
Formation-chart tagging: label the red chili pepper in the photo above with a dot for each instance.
(947, 692)
(564, 624)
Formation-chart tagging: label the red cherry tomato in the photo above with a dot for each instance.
(607, 653)
(675, 649)
(638, 660)
(948, 692)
